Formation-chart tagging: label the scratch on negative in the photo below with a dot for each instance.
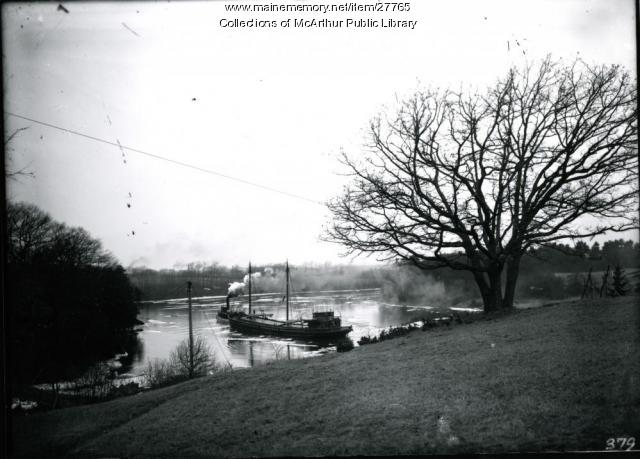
(121, 151)
(130, 29)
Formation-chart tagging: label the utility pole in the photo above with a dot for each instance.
(249, 288)
(190, 332)
(287, 276)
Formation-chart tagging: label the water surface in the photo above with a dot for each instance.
(166, 324)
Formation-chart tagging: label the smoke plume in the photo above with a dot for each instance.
(235, 289)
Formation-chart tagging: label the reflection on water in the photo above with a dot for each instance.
(166, 324)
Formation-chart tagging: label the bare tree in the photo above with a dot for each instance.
(472, 181)
(32, 233)
(23, 172)
(29, 230)
(203, 358)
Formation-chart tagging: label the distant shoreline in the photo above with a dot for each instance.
(222, 297)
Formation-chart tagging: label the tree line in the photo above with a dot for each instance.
(214, 279)
(68, 300)
(400, 282)
(553, 272)
(583, 257)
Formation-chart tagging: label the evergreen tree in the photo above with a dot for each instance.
(620, 285)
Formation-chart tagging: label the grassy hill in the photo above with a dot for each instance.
(562, 377)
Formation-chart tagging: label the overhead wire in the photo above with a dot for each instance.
(176, 162)
(164, 158)
(220, 346)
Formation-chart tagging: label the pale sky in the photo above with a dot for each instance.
(272, 106)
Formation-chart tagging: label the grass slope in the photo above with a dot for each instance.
(563, 377)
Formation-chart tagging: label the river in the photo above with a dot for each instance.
(166, 323)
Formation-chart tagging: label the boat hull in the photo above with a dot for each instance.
(249, 325)
(222, 315)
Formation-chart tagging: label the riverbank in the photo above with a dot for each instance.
(562, 377)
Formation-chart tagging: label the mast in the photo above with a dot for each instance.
(249, 287)
(190, 332)
(287, 276)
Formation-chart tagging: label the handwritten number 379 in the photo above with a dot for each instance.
(626, 443)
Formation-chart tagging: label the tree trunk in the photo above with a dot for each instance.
(491, 288)
(495, 290)
(513, 269)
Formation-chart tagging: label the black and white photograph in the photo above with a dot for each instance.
(320, 228)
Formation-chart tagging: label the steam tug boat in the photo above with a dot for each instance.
(323, 324)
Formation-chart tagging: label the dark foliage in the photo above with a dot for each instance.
(69, 302)
(620, 286)
(553, 272)
(580, 258)
(344, 345)
(541, 284)
(214, 279)
(390, 333)
(429, 321)
(207, 279)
